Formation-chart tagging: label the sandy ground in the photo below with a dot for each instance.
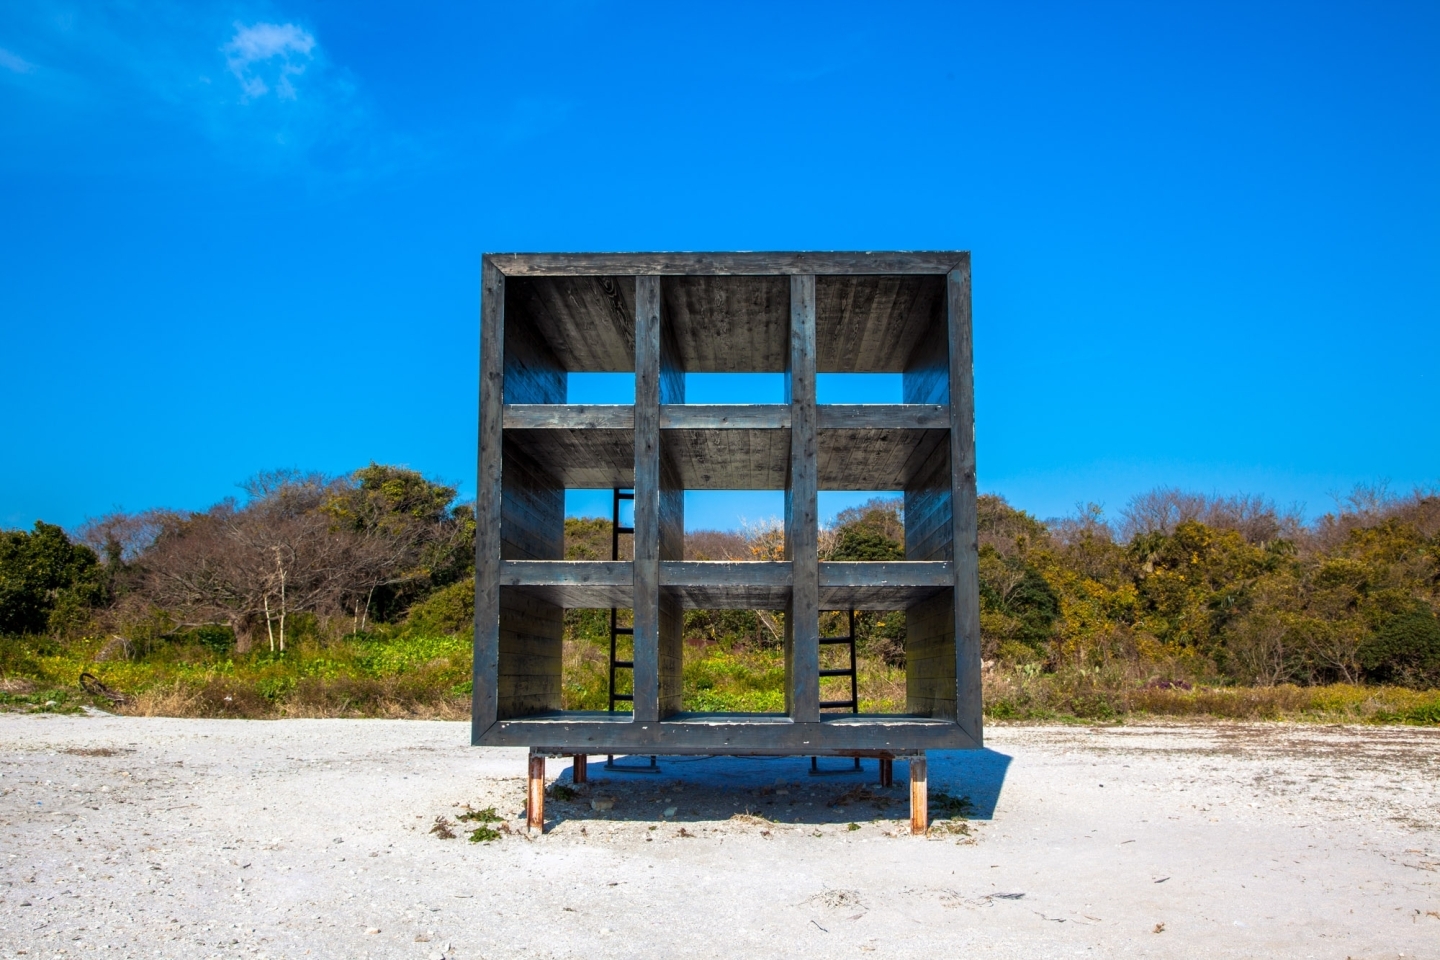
(125, 837)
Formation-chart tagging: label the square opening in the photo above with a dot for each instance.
(600, 388)
(599, 642)
(734, 662)
(731, 388)
(752, 521)
(859, 388)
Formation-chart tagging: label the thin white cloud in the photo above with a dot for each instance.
(13, 63)
(277, 50)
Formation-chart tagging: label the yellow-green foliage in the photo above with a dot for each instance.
(396, 675)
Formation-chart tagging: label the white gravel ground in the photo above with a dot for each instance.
(125, 837)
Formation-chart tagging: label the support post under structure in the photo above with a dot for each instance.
(887, 772)
(535, 794)
(919, 795)
(578, 771)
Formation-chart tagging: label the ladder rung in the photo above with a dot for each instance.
(848, 704)
(625, 496)
(837, 640)
(621, 696)
(838, 672)
(629, 630)
(624, 664)
(624, 529)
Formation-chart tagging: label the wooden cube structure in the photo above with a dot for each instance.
(661, 316)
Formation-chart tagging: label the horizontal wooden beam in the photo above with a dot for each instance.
(897, 573)
(883, 416)
(724, 264)
(560, 573)
(726, 573)
(738, 416)
(727, 733)
(569, 416)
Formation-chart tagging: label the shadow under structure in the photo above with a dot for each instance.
(660, 316)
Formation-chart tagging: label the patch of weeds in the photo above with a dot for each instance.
(95, 751)
(484, 835)
(751, 819)
(488, 815)
(950, 808)
(948, 828)
(562, 793)
(442, 829)
(40, 701)
(684, 833)
(853, 826)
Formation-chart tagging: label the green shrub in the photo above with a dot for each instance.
(1406, 649)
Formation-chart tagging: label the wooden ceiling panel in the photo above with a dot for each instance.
(729, 324)
(589, 322)
(871, 324)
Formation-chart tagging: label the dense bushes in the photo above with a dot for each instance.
(366, 582)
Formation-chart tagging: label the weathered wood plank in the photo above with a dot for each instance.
(724, 573)
(529, 646)
(875, 598)
(882, 416)
(532, 517)
(670, 642)
(874, 459)
(730, 459)
(728, 324)
(970, 713)
(647, 498)
(488, 501)
(547, 573)
(802, 621)
(579, 459)
(533, 373)
(588, 321)
(928, 506)
(740, 416)
(770, 736)
(725, 264)
(569, 416)
(871, 324)
(899, 573)
(731, 597)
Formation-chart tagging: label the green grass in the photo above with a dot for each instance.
(403, 672)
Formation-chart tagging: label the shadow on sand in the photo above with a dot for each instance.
(778, 789)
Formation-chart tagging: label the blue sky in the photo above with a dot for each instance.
(245, 236)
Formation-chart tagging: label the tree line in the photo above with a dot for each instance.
(1178, 585)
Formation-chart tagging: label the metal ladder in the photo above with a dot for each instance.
(853, 704)
(617, 631)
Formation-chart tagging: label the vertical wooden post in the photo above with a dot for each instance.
(670, 646)
(578, 768)
(887, 772)
(919, 795)
(802, 615)
(965, 531)
(535, 794)
(488, 501)
(647, 499)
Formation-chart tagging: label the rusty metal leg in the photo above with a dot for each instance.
(535, 797)
(919, 796)
(578, 773)
(887, 772)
